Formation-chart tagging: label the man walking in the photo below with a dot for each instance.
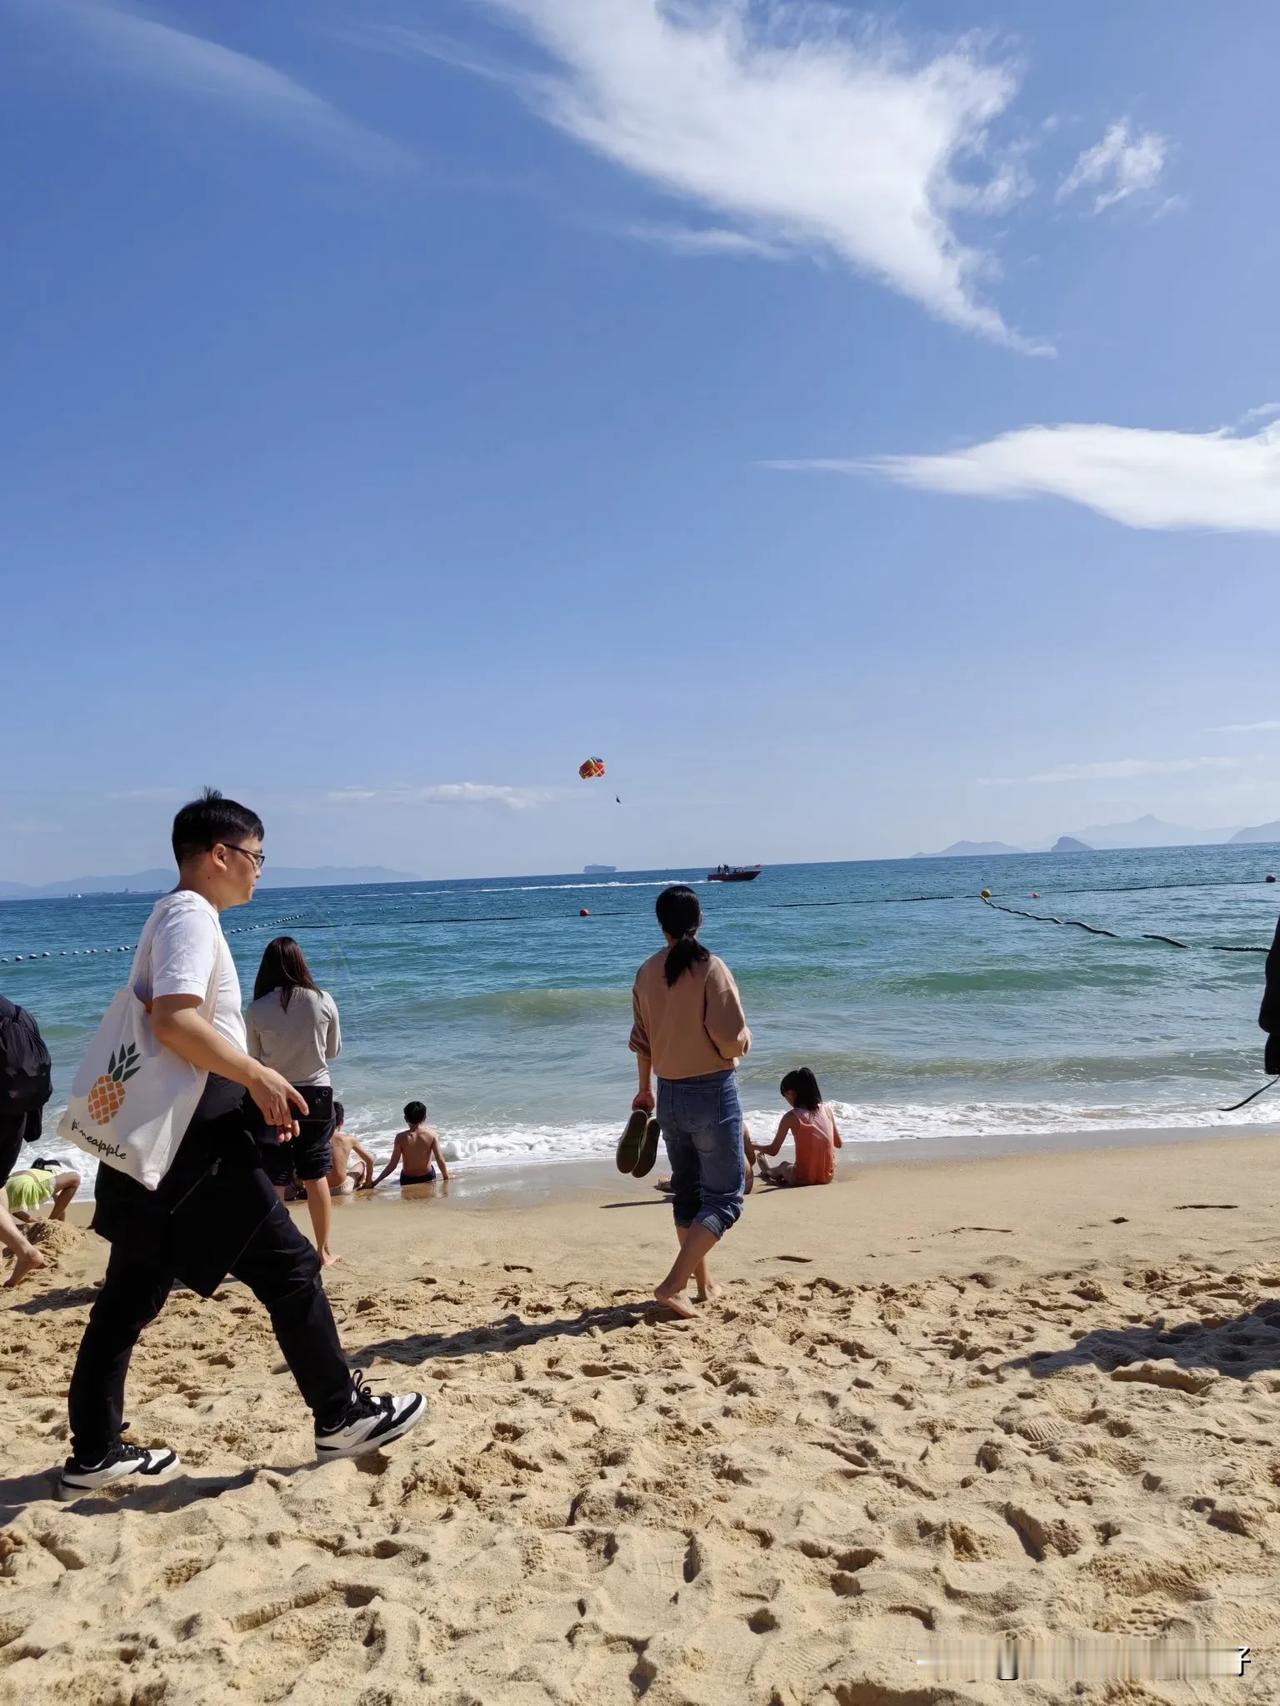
(215, 1211)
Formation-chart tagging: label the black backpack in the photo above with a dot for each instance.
(26, 1082)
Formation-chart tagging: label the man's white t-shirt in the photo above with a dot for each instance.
(186, 941)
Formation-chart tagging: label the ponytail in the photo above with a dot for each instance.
(680, 916)
(683, 954)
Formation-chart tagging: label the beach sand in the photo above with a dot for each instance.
(1029, 1395)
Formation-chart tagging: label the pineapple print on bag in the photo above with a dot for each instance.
(107, 1095)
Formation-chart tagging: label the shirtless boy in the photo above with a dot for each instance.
(343, 1146)
(417, 1151)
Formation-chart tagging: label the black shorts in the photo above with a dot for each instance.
(427, 1178)
(310, 1155)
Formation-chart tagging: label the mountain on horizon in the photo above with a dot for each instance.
(1069, 844)
(1149, 831)
(971, 850)
(1262, 832)
(160, 880)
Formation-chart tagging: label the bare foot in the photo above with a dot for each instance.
(25, 1263)
(328, 1259)
(707, 1293)
(677, 1304)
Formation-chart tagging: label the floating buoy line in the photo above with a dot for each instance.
(130, 947)
(1097, 930)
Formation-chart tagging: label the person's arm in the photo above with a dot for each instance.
(368, 1163)
(396, 1152)
(774, 1148)
(178, 1024)
(67, 1181)
(639, 1046)
(723, 1016)
(333, 1042)
(835, 1133)
(440, 1162)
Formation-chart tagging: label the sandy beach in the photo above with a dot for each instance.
(1029, 1395)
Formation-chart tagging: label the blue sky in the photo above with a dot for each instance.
(852, 423)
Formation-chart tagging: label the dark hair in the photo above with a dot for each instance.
(680, 915)
(415, 1113)
(46, 1165)
(283, 968)
(803, 1086)
(203, 823)
(339, 1116)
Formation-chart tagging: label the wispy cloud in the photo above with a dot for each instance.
(1139, 476)
(1112, 770)
(713, 240)
(443, 794)
(1246, 729)
(796, 130)
(131, 44)
(1124, 163)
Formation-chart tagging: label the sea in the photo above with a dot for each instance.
(924, 1011)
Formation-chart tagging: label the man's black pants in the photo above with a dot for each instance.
(13, 1134)
(281, 1269)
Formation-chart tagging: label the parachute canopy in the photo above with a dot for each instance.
(591, 768)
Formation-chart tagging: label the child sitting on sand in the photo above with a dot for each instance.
(416, 1152)
(812, 1126)
(343, 1177)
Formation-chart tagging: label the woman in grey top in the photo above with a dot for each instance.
(293, 1027)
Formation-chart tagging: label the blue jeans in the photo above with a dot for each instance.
(701, 1121)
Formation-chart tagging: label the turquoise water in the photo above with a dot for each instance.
(923, 1012)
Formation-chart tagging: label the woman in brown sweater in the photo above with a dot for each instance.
(689, 1029)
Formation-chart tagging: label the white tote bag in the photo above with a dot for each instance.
(132, 1099)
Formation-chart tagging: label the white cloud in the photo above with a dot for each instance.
(1139, 476)
(798, 132)
(1263, 412)
(714, 240)
(1246, 729)
(1123, 164)
(444, 794)
(1112, 770)
(173, 59)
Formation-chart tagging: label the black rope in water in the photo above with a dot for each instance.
(1097, 930)
(1236, 1106)
(1041, 918)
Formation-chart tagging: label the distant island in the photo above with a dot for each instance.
(142, 884)
(971, 850)
(599, 870)
(1140, 832)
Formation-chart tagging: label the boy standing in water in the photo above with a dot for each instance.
(417, 1152)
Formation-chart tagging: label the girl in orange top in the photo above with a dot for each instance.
(812, 1126)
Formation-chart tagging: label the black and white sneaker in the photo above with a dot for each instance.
(370, 1423)
(142, 1463)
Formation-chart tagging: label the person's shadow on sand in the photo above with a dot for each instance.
(19, 1491)
(511, 1333)
(1239, 1347)
(59, 1297)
